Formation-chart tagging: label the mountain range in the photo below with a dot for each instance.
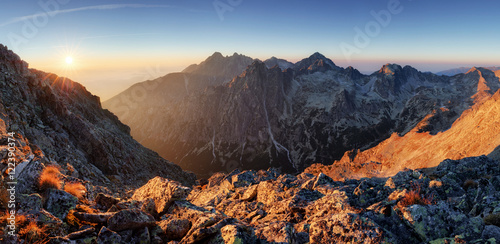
(456, 71)
(237, 112)
(72, 173)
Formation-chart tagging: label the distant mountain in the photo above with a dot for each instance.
(461, 70)
(281, 63)
(312, 112)
(475, 133)
(57, 121)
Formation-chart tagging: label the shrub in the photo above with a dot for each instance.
(32, 233)
(76, 189)
(492, 219)
(415, 196)
(50, 178)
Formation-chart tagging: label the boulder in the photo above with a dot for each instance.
(162, 191)
(107, 236)
(130, 219)
(175, 229)
(59, 203)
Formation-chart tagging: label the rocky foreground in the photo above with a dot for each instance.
(456, 202)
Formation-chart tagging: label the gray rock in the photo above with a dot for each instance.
(175, 229)
(130, 220)
(30, 203)
(59, 203)
(491, 231)
(107, 236)
(81, 234)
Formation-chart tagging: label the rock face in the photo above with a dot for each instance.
(57, 120)
(475, 133)
(275, 114)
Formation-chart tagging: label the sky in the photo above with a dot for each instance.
(115, 44)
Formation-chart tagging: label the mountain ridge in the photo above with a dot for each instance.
(312, 112)
(59, 122)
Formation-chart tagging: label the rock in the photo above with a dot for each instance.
(80, 234)
(148, 206)
(104, 201)
(98, 218)
(162, 191)
(435, 221)
(60, 202)
(276, 232)
(323, 179)
(130, 219)
(348, 228)
(59, 240)
(175, 229)
(216, 179)
(107, 236)
(491, 231)
(140, 236)
(205, 230)
(30, 203)
(243, 179)
(250, 193)
(234, 234)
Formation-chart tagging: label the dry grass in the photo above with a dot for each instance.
(415, 197)
(4, 197)
(21, 221)
(470, 184)
(50, 178)
(76, 189)
(32, 233)
(492, 219)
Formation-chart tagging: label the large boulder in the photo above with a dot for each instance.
(162, 191)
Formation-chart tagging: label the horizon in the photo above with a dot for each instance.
(115, 45)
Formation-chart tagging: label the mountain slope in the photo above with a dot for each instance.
(452, 72)
(58, 121)
(475, 133)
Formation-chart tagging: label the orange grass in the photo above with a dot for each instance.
(50, 178)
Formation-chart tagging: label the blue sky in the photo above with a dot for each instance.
(116, 43)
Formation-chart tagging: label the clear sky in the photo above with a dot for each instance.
(116, 43)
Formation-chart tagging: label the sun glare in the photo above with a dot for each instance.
(69, 60)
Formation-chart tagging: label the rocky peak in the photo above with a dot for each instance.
(390, 69)
(314, 63)
(281, 63)
(353, 73)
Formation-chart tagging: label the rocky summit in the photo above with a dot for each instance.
(289, 116)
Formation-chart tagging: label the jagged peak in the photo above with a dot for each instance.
(390, 69)
(315, 62)
(479, 69)
(216, 55)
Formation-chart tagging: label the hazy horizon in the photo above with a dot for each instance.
(114, 45)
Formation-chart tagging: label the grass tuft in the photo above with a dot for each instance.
(415, 196)
(50, 178)
(76, 189)
(32, 233)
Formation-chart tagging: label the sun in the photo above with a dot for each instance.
(69, 60)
